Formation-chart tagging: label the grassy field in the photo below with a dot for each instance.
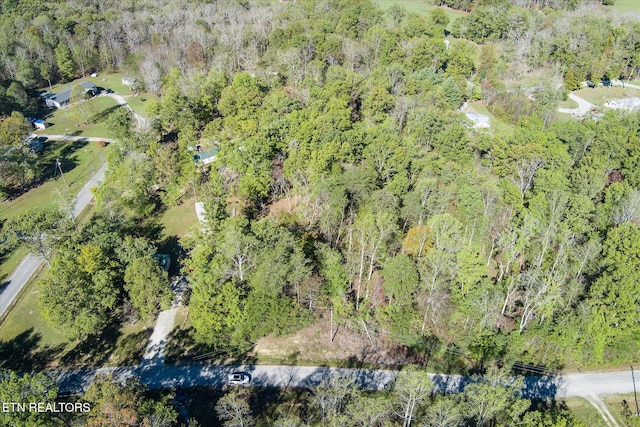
(601, 94)
(614, 403)
(585, 412)
(179, 220)
(625, 6)
(29, 342)
(113, 81)
(421, 7)
(70, 120)
(568, 103)
(78, 160)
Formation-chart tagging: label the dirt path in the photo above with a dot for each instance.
(603, 410)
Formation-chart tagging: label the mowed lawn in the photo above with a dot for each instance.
(71, 120)
(28, 342)
(599, 95)
(585, 412)
(625, 6)
(421, 7)
(137, 101)
(79, 161)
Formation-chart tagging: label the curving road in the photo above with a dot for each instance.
(584, 107)
(141, 121)
(163, 376)
(32, 263)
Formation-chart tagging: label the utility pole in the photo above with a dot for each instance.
(61, 173)
(635, 395)
(331, 326)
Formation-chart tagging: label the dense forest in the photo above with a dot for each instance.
(346, 180)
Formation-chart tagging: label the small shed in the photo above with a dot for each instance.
(130, 81)
(164, 261)
(200, 212)
(479, 120)
(40, 124)
(624, 104)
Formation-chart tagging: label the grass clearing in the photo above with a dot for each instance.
(78, 160)
(585, 412)
(421, 7)
(623, 6)
(29, 343)
(70, 120)
(614, 403)
(568, 103)
(601, 94)
(179, 220)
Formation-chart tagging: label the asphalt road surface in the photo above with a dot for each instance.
(158, 376)
(27, 267)
(31, 263)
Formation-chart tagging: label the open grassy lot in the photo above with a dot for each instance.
(568, 103)
(625, 6)
(601, 94)
(421, 7)
(179, 220)
(78, 160)
(614, 403)
(114, 82)
(585, 412)
(71, 120)
(28, 342)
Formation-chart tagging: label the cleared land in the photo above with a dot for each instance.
(601, 94)
(421, 7)
(79, 161)
(625, 6)
(28, 342)
(585, 412)
(71, 120)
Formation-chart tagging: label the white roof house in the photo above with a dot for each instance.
(623, 104)
(479, 120)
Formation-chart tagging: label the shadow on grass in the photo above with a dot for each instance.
(129, 349)
(24, 353)
(171, 246)
(94, 350)
(103, 115)
(182, 348)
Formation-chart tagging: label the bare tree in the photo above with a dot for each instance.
(525, 170)
(234, 410)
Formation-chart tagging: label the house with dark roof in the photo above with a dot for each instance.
(60, 99)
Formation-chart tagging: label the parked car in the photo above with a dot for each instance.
(239, 378)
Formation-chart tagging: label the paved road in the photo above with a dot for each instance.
(31, 263)
(27, 267)
(584, 107)
(158, 376)
(85, 195)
